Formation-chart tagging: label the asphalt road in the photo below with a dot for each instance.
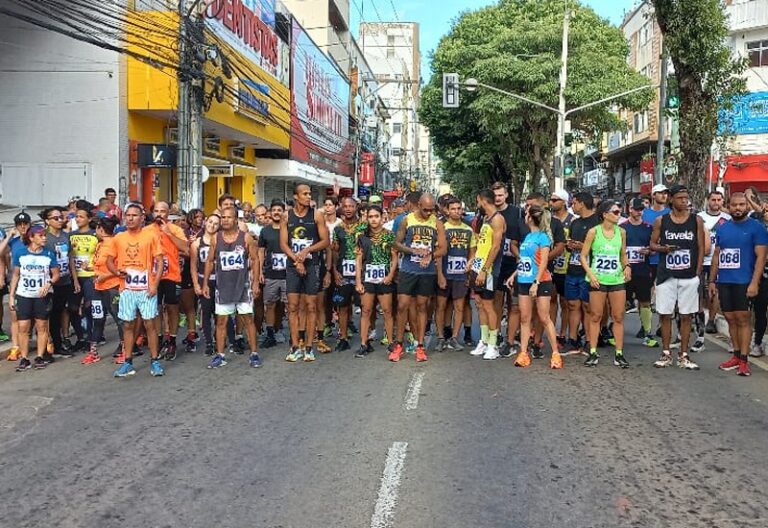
(343, 442)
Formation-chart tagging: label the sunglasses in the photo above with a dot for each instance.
(57, 217)
(555, 199)
(428, 210)
(615, 211)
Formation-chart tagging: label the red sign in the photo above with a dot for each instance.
(366, 172)
(247, 26)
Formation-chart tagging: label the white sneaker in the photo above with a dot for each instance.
(757, 351)
(479, 349)
(491, 352)
(698, 345)
(684, 362)
(372, 335)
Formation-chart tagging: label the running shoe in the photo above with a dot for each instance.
(294, 355)
(440, 345)
(183, 320)
(240, 345)
(684, 362)
(453, 344)
(640, 334)
(372, 335)
(156, 368)
(309, 355)
(209, 349)
(731, 364)
(4, 337)
(120, 359)
(557, 360)
(125, 370)
(269, 342)
(650, 342)
(468, 340)
(757, 351)
(48, 357)
(190, 346)
(370, 347)
(384, 340)
(352, 328)
(63, 353)
(14, 354)
(633, 309)
(254, 360)
(479, 349)
(323, 347)
(80, 346)
(409, 337)
(170, 351)
(665, 360)
(561, 340)
(537, 352)
(118, 350)
(24, 364)
(572, 348)
(506, 350)
(491, 352)
(421, 354)
(395, 352)
(39, 363)
(90, 357)
(218, 360)
(327, 330)
(362, 352)
(675, 343)
(620, 361)
(523, 360)
(101, 341)
(280, 338)
(591, 360)
(342, 345)
(744, 369)
(711, 327)
(698, 345)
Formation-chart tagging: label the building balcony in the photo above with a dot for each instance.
(747, 15)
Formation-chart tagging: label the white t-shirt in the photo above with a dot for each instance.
(711, 223)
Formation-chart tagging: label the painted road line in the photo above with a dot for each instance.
(760, 363)
(414, 390)
(384, 511)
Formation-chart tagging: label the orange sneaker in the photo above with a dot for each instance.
(14, 354)
(120, 358)
(396, 352)
(523, 360)
(557, 360)
(322, 347)
(421, 354)
(89, 358)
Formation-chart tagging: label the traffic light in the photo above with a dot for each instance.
(450, 90)
(673, 94)
(568, 164)
(569, 139)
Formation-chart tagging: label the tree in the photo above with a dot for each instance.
(515, 46)
(708, 79)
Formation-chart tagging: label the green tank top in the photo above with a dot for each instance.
(606, 257)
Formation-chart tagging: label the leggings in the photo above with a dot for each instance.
(760, 306)
(106, 302)
(88, 294)
(64, 299)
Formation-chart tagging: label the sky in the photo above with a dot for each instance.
(436, 21)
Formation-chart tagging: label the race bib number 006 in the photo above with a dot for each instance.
(679, 260)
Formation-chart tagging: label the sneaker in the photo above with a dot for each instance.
(665, 360)
(362, 352)
(395, 352)
(453, 344)
(698, 345)
(352, 328)
(384, 341)
(309, 355)
(561, 340)
(537, 352)
(441, 344)
(556, 362)
(327, 331)
(156, 368)
(120, 359)
(125, 370)
(118, 350)
(80, 346)
(183, 320)
(48, 357)
(757, 351)
(523, 360)
(170, 351)
(572, 348)
(254, 360)
(269, 342)
(591, 360)
(209, 349)
(323, 347)
(506, 350)
(744, 369)
(294, 355)
(675, 343)
(342, 345)
(14, 354)
(280, 338)
(650, 342)
(101, 341)
(190, 346)
(468, 340)
(90, 357)
(408, 338)
(240, 345)
(479, 349)
(711, 327)
(491, 352)
(372, 335)
(63, 353)
(39, 363)
(641, 334)
(633, 309)
(4, 337)
(620, 361)
(219, 360)
(684, 362)
(421, 354)
(24, 364)
(731, 364)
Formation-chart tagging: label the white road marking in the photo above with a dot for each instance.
(384, 511)
(414, 390)
(760, 363)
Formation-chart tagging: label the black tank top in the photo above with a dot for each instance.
(681, 263)
(202, 256)
(302, 233)
(232, 270)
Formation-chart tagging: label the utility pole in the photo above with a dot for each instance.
(183, 158)
(560, 152)
(659, 166)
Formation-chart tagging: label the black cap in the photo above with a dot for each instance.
(637, 204)
(22, 218)
(675, 189)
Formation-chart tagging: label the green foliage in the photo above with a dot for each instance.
(515, 46)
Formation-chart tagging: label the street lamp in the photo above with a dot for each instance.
(471, 84)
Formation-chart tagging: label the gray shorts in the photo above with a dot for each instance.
(275, 290)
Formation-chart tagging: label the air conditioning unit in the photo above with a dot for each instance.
(237, 152)
(212, 145)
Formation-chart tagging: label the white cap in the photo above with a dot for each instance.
(659, 187)
(562, 194)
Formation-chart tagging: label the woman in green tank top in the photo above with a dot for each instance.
(604, 257)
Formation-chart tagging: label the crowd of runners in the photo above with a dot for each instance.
(559, 269)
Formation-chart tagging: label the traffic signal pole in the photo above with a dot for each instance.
(659, 166)
(560, 149)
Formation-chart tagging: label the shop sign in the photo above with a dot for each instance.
(252, 98)
(749, 115)
(319, 108)
(366, 169)
(156, 156)
(248, 26)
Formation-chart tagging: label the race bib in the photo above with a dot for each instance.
(679, 260)
(279, 261)
(634, 255)
(348, 268)
(97, 310)
(477, 265)
(204, 253)
(165, 266)
(417, 258)
(575, 258)
(606, 263)
(375, 273)
(508, 247)
(62, 258)
(457, 265)
(730, 258)
(81, 262)
(525, 267)
(136, 280)
(231, 260)
(31, 284)
(300, 244)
